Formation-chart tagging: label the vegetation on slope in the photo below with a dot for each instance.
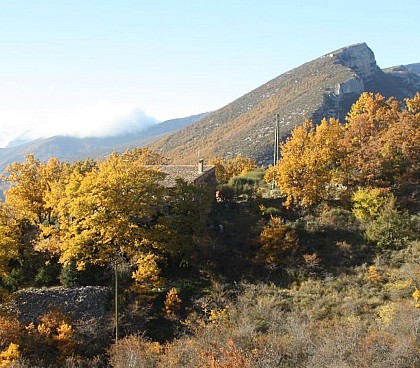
(322, 270)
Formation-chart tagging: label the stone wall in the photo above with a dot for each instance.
(80, 303)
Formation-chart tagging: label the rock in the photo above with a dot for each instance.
(360, 58)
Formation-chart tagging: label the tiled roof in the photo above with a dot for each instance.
(189, 173)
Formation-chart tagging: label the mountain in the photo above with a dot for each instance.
(71, 148)
(406, 76)
(414, 68)
(324, 87)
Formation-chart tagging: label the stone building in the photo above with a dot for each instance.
(201, 175)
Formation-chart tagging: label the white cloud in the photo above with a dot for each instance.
(99, 120)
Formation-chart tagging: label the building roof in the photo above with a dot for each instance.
(189, 173)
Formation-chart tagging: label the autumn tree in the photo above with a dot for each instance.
(400, 150)
(279, 241)
(362, 144)
(9, 239)
(109, 211)
(307, 170)
(228, 168)
(30, 182)
(144, 156)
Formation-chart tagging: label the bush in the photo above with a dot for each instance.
(279, 242)
(135, 351)
(391, 228)
(339, 219)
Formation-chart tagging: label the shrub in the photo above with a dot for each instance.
(134, 351)
(367, 202)
(8, 356)
(339, 219)
(391, 228)
(172, 303)
(278, 242)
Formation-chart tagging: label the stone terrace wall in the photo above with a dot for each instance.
(80, 303)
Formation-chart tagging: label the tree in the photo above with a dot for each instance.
(368, 202)
(30, 181)
(362, 143)
(183, 220)
(401, 149)
(9, 239)
(228, 168)
(391, 228)
(307, 170)
(278, 242)
(109, 211)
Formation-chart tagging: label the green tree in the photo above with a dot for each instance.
(391, 228)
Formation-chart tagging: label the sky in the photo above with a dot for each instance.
(106, 67)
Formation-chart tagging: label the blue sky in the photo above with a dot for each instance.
(100, 67)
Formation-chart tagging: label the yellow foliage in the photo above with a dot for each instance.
(413, 105)
(147, 275)
(56, 331)
(64, 331)
(386, 313)
(218, 315)
(307, 170)
(8, 356)
(9, 238)
(374, 275)
(226, 169)
(416, 297)
(367, 202)
(43, 329)
(105, 211)
(172, 303)
(278, 241)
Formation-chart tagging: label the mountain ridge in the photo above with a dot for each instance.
(324, 87)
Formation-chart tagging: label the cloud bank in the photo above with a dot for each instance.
(99, 120)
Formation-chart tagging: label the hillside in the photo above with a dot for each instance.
(326, 86)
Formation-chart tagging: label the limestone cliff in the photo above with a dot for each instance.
(359, 58)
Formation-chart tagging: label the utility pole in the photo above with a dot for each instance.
(116, 299)
(276, 146)
(276, 140)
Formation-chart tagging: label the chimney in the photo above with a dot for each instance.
(200, 166)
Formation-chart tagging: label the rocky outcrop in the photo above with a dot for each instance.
(354, 85)
(80, 303)
(359, 58)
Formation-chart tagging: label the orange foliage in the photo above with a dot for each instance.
(278, 241)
